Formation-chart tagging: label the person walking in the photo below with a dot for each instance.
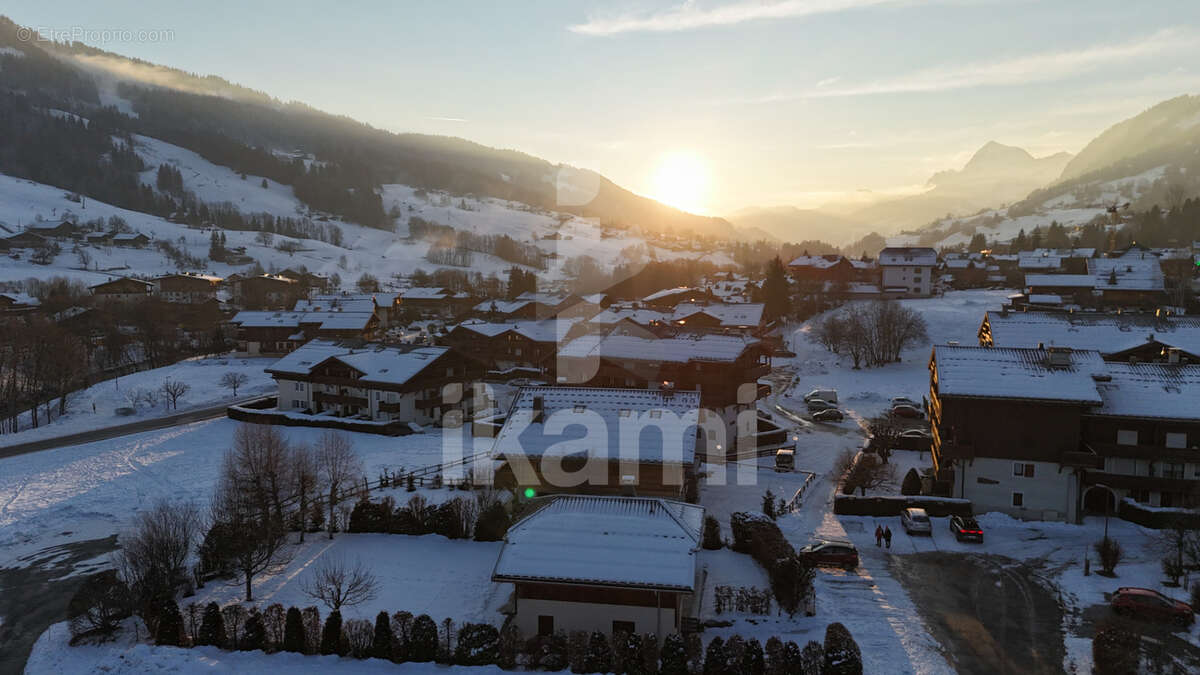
(887, 536)
(879, 535)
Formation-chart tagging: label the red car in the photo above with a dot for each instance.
(911, 412)
(1151, 605)
(831, 554)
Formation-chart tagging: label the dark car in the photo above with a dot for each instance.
(966, 528)
(1151, 605)
(831, 554)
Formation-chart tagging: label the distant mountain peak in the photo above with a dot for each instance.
(995, 155)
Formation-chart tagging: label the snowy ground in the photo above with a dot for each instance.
(95, 407)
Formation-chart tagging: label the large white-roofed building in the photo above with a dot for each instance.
(608, 564)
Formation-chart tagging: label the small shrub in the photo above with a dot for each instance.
(599, 654)
(359, 637)
(331, 634)
(714, 657)
(842, 655)
(293, 632)
(381, 641)
(212, 627)
(674, 656)
(170, 625)
(493, 523)
(1110, 555)
(423, 645)
(712, 534)
(811, 658)
(478, 645)
(768, 505)
(99, 605)
(1114, 650)
(254, 634)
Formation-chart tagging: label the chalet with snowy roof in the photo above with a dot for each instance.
(266, 291)
(129, 240)
(724, 368)
(831, 267)
(13, 302)
(1133, 280)
(606, 564)
(266, 333)
(1089, 430)
(27, 239)
(1134, 338)
(187, 287)
(744, 318)
(64, 230)
(504, 347)
(124, 289)
(385, 306)
(595, 440)
(369, 382)
(670, 297)
(509, 310)
(634, 318)
(307, 280)
(907, 269)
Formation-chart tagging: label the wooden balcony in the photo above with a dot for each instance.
(1159, 453)
(339, 399)
(389, 407)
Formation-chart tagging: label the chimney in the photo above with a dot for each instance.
(1058, 357)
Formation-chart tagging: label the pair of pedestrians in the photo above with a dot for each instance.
(883, 534)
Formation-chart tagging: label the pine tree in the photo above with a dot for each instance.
(212, 627)
(768, 504)
(170, 625)
(293, 632)
(776, 662)
(509, 647)
(712, 534)
(776, 291)
(807, 661)
(331, 635)
(753, 662)
(714, 657)
(842, 655)
(599, 654)
(423, 646)
(254, 634)
(381, 642)
(674, 656)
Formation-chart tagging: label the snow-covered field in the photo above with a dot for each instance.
(95, 407)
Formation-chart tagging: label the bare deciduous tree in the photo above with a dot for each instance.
(304, 482)
(153, 557)
(174, 390)
(338, 467)
(872, 334)
(870, 473)
(336, 584)
(233, 379)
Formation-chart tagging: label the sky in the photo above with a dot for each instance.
(712, 105)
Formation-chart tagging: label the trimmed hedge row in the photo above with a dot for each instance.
(881, 507)
(1157, 518)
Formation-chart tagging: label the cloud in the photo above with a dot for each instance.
(447, 119)
(828, 81)
(1047, 66)
(690, 16)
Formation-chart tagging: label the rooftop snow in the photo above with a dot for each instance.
(982, 372)
(378, 364)
(741, 314)
(1106, 333)
(549, 330)
(668, 292)
(649, 425)
(615, 541)
(905, 255)
(642, 317)
(424, 293)
(682, 349)
(327, 320)
(1151, 390)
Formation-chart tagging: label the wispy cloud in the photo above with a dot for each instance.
(1049, 66)
(448, 119)
(690, 15)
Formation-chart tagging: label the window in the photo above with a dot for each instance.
(1176, 440)
(450, 371)
(1127, 437)
(1023, 469)
(623, 627)
(655, 414)
(545, 624)
(580, 408)
(1172, 470)
(1018, 499)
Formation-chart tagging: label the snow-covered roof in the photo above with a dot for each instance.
(544, 298)
(378, 363)
(1151, 390)
(668, 292)
(423, 293)
(1133, 273)
(1030, 260)
(982, 372)
(611, 541)
(336, 304)
(1106, 333)
(602, 423)
(594, 298)
(643, 317)
(501, 306)
(19, 298)
(908, 255)
(1045, 299)
(732, 316)
(548, 330)
(819, 262)
(1060, 280)
(681, 349)
(326, 320)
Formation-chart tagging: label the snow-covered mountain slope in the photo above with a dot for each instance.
(364, 250)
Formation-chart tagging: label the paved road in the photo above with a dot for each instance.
(104, 433)
(989, 613)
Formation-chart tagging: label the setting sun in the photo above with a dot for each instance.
(681, 180)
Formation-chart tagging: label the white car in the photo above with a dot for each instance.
(916, 521)
(829, 395)
(817, 404)
(904, 400)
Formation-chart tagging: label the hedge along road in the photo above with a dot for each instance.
(989, 613)
(105, 433)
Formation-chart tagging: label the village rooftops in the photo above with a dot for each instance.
(377, 364)
(502, 306)
(424, 293)
(682, 349)
(819, 262)
(629, 542)
(640, 316)
(668, 292)
(326, 320)
(1106, 333)
(547, 330)
(908, 256)
(1151, 390)
(336, 304)
(738, 315)
(548, 420)
(1053, 375)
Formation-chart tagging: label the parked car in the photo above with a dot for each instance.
(911, 412)
(785, 459)
(916, 521)
(1151, 605)
(915, 439)
(829, 415)
(829, 395)
(966, 528)
(904, 400)
(831, 554)
(817, 404)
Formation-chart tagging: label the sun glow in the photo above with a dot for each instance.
(681, 180)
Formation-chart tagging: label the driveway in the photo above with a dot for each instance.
(991, 614)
